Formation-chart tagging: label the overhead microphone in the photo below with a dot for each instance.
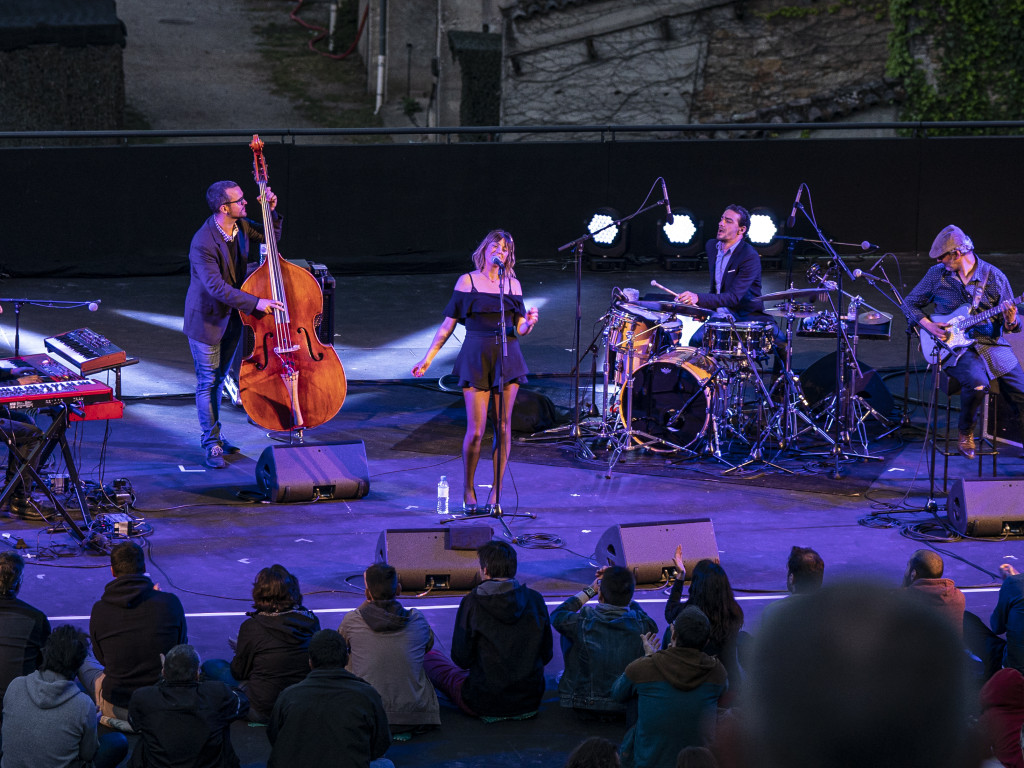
(859, 272)
(866, 246)
(668, 207)
(796, 203)
(94, 305)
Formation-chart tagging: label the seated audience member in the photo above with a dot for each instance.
(131, 625)
(805, 571)
(1002, 716)
(595, 752)
(332, 718)
(857, 674)
(386, 647)
(49, 721)
(272, 648)
(672, 695)
(598, 641)
(1008, 616)
(23, 628)
(182, 721)
(711, 592)
(500, 644)
(924, 577)
(696, 757)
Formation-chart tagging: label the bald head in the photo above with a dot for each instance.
(923, 564)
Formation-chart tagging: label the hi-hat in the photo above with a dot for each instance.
(794, 293)
(791, 310)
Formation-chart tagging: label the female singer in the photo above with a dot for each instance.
(480, 366)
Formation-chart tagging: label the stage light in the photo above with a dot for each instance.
(608, 245)
(764, 228)
(680, 244)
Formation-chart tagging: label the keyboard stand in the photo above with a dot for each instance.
(55, 436)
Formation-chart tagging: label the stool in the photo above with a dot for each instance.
(984, 446)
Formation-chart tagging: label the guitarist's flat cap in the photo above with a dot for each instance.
(952, 238)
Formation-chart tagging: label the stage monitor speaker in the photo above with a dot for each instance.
(648, 548)
(986, 507)
(819, 382)
(434, 558)
(288, 473)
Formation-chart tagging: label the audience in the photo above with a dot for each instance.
(711, 592)
(598, 641)
(805, 571)
(697, 757)
(500, 644)
(131, 625)
(1008, 616)
(857, 675)
(595, 752)
(272, 648)
(182, 721)
(1002, 716)
(332, 718)
(387, 643)
(672, 695)
(23, 629)
(924, 578)
(48, 720)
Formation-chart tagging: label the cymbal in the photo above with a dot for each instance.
(785, 310)
(676, 308)
(873, 318)
(794, 293)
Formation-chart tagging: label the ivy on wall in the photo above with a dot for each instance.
(958, 59)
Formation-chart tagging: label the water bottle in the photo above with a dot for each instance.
(442, 496)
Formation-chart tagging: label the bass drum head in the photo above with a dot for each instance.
(669, 399)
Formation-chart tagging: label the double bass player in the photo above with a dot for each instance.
(218, 258)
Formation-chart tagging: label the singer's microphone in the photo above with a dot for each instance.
(498, 263)
(792, 214)
(668, 207)
(866, 246)
(93, 306)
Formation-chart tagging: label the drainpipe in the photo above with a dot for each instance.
(381, 56)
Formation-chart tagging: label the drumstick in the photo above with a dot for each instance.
(656, 284)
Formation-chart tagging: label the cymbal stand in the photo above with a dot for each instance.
(757, 449)
(789, 394)
(629, 439)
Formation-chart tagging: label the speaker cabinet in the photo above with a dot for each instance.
(288, 473)
(986, 507)
(648, 548)
(429, 558)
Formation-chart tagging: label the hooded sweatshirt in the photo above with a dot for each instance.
(676, 692)
(272, 653)
(943, 595)
(131, 625)
(503, 638)
(48, 721)
(1002, 715)
(387, 644)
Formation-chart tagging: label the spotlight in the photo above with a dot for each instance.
(680, 244)
(608, 245)
(764, 228)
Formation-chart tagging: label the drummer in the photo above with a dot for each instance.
(735, 274)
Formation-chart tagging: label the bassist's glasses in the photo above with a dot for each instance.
(233, 202)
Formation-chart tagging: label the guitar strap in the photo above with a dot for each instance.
(979, 292)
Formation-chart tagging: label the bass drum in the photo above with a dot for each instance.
(671, 397)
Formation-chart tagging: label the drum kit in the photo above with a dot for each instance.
(663, 395)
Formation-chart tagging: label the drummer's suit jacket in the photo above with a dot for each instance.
(741, 283)
(215, 279)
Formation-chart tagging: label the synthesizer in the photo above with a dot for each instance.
(86, 350)
(41, 381)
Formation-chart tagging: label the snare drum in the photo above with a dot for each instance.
(725, 339)
(671, 398)
(652, 334)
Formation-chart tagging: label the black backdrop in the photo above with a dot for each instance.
(405, 207)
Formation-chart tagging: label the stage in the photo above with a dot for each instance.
(206, 536)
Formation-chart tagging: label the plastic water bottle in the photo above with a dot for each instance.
(442, 496)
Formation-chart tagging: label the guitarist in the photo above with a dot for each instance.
(959, 284)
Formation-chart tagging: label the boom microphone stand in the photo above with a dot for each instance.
(46, 303)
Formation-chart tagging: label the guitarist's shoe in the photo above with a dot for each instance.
(965, 444)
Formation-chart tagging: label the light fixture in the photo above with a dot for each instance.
(607, 247)
(764, 230)
(680, 245)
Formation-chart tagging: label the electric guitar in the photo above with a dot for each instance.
(960, 321)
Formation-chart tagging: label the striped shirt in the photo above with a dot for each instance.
(948, 293)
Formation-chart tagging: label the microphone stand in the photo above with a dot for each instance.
(46, 303)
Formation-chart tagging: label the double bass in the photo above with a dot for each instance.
(290, 381)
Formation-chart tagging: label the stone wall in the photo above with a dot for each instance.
(691, 61)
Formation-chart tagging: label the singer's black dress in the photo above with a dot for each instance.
(477, 365)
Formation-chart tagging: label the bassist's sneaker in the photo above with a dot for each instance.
(965, 444)
(215, 457)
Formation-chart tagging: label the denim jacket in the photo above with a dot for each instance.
(598, 641)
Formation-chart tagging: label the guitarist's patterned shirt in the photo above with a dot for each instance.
(944, 289)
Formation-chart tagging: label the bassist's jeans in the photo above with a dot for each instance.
(213, 363)
(971, 372)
